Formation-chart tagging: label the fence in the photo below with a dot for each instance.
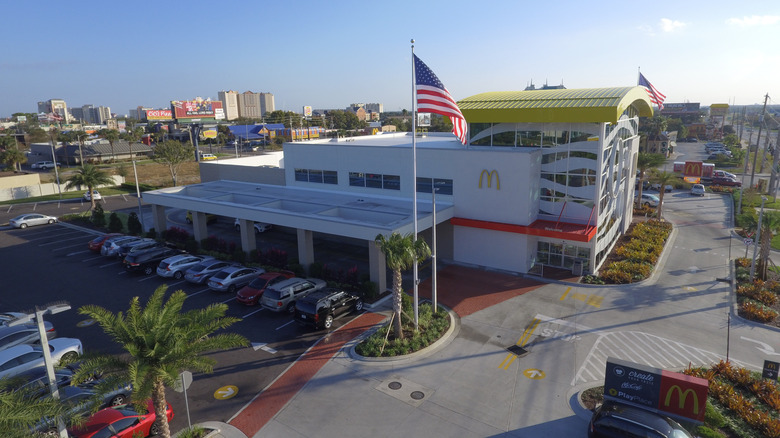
(35, 190)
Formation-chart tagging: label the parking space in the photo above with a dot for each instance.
(51, 263)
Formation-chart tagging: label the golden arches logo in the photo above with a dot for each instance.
(682, 396)
(692, 169)
(490, 176)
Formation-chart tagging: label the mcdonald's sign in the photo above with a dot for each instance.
(693, 168)
(683, 396)
(489, 176)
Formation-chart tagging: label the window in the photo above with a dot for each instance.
(374, 180)
(318, 176)
(391, 182)
(443, 186)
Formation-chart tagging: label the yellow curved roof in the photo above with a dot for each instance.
(584, 105)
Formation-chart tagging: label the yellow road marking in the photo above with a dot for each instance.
(510, 357)
(565, 293)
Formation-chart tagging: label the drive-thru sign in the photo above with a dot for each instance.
(670, 393)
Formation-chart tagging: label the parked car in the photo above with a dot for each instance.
(320, 308)
(724, 181)
(613, 419)
(650, 200)
(233, 278)
(120, 421)
(36, 380)
(23, 357)
(146, 261)
(95, 244)
(83, 399)
(208, 157)
(260, 227)
(200, 273)
(252, 292)
(657, 187)
(282, 296)
(111, 246)
(210, 218)
(31, 219)
(177, 265)
(44, 165)
(724, 174)
(24, 334)
(136, 246)
(95, 194)
(6, 317)
(697, 190)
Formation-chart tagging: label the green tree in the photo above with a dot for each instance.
(36, 134)
(13, 158)
(400, 254)
(114, 223)
(173, 154)
(111, 135)
(99, 216)
(90, 177)
(644, 162)
(664, 179)
(134, 226)
(770, 225)
(20, 410)
(161, 342)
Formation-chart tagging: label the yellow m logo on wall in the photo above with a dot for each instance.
(489, 175)
(682, 396)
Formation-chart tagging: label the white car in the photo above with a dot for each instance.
(30, 219)
(697, 190)
(44, 165)
(95, 194)
(650, 200)
(260, 227)
(667, 188)
(20, 358)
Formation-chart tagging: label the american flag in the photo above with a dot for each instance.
(655, 96)
(433, 97)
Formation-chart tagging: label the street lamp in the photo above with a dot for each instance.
(758, 240)
(50, 309)
(433, 253)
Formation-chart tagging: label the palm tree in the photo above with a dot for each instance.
(13, 158)
(90, 176)
(664, 179)
(770, 225)
(401, 252)
(644, 162)
(161, 342)
(111, 135)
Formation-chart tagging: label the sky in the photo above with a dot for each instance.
(330, 54)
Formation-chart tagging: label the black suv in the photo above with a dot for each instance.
(147, 261)
(319, 308)
(614, 419)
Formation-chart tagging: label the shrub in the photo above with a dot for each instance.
(134, 226)
(99, 216)
(191, 245)
(756, 311)
(239, 255)
(114, 223)
(152, 233)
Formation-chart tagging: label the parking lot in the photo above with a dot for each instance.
(51, 263)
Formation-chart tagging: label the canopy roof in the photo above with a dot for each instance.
(584, 105)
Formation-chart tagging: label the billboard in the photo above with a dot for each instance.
(197, 109)
(307, 111)
(162, 114)
(670, 393)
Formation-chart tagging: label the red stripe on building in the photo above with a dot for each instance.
(555, 230)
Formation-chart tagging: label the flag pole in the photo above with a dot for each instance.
(414, 186)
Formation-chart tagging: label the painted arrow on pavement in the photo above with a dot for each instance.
(765, 348)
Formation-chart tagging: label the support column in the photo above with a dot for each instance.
(199, 230)
(158, 218)
(305, 248)
(377, 266)
(248, 241)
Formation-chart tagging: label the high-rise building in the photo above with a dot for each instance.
(266, 103)
(229, 104)
(57, 107)
(254, 105)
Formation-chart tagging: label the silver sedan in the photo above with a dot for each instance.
(30, 219)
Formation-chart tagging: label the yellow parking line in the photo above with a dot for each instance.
(565, 293)
(521, 342)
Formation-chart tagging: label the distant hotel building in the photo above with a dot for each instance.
(57, 107)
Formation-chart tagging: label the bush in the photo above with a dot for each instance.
(114, 223)
(99, 216)
(316, 270)
(191, 245)
(134, 226)
(152, 233)
(431, 328)
(239, 256)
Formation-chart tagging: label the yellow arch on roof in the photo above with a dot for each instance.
(583, 105)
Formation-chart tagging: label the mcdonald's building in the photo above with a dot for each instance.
(546, 180)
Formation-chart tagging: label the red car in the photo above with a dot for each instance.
(95, 244)
(251, 293)
(120, 422)
(726, 181)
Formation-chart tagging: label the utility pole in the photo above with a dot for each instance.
(760, 125)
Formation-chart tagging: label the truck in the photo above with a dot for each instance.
(694, 171)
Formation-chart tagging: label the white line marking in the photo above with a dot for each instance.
(284, 325)
(252, 313)
(71, 254)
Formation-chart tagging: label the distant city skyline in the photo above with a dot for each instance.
(329, 55)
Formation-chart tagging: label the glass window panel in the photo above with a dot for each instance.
(330, 177)
(301, 174)
(374, 180)
(315, 176)
(391, 182)
(543, 246)
(443, 186)
(357, 179)
(424, 185)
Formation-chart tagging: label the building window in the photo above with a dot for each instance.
(357, 179)
(302, 175)
(561, 255)
(391, 182)
(443, 186)
(374, 180)
(317, 176)
(330, 177)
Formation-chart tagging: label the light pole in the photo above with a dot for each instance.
(50, 309)
(56, 171)
(758, 240)
(138, 195)
(433, 253)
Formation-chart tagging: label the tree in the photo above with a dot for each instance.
(114, 223)
(99, 216)
(89, 176)
(400, 254)
(12, 158)
(770, 225)
(161, 342)
(111, 135)
(664, 179)
(644, 162)
(20, 410)
(173, 154)
(134, 226)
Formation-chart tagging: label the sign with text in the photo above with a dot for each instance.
(159, 114)
(674, 394)
(196, 109)
(770, 370)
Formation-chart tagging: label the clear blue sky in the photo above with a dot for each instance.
(329, 54)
